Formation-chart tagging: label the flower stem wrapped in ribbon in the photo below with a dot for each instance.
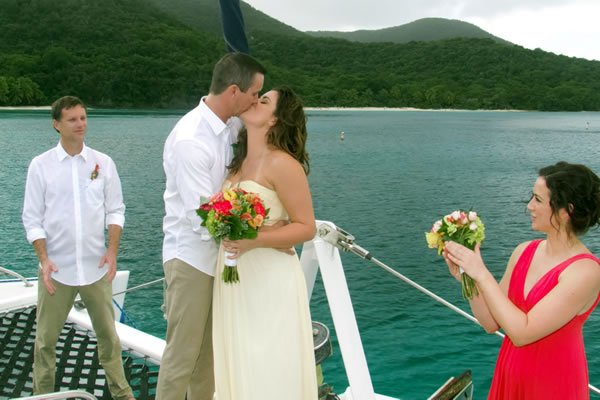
(461, 227)
(235, 214)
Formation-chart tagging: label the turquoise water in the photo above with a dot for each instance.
(395, 173)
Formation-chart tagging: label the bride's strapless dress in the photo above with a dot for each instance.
(262, 333)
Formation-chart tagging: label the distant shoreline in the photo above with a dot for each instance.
(25, 108)
(46, 108)
(399, 109)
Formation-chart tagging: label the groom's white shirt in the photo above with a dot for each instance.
(195, 160)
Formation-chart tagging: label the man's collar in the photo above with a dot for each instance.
(62, 154)
(216, 124)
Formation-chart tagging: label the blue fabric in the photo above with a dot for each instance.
(232, 22)
(124, 317)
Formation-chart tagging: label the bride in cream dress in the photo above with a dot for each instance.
(262, 335)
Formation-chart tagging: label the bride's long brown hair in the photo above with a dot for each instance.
(288, 134)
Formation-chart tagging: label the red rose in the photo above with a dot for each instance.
(222, 207)
(259, 209)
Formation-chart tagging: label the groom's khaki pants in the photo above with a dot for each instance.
(187, 361)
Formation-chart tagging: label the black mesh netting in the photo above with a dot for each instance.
(77, 365)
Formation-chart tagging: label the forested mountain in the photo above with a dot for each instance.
(421, 30)
(203, 16)
(132, 53)
(453, 73)
(112, 53)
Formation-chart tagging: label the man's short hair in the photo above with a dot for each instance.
(65, 103)
(235, 69)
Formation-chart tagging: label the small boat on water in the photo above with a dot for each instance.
(77, 363)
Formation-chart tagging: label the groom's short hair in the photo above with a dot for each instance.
(64, 103)
(235, 69)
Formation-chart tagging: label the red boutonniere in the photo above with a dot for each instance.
(95, 172)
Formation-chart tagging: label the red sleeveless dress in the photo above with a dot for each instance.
(555, 366)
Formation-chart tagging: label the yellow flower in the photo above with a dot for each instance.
(229, 195)
(256, 222)
(434, 240)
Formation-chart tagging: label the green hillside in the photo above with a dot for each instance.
(132, 53)
(121, 53)
(203, 16)
(422, 30)
(453, 73)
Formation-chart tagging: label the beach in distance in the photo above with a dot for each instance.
(8, 108)
(310, 109)
(398, 109)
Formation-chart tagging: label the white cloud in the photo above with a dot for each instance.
(570, 30)
(487, 9)
(561, 26)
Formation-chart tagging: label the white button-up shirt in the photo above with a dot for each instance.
(195, 160)
(70, 210)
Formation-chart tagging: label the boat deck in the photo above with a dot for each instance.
(77, 365)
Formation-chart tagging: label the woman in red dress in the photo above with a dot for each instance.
(549, 289)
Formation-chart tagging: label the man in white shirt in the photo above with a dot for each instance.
(71, 193)
(195, 160)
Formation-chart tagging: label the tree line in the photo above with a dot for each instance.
(19, 91)
(128, 53)
(453, 73)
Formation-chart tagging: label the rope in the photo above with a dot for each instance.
(124, 315)
(13, 273)
(444, 302)
(143, 285)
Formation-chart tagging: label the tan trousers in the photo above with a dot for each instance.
(52, 312)
(187, 361)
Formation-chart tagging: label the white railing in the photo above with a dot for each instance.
(71, 394)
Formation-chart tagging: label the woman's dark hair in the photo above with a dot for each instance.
(288, 134)
(575, 188)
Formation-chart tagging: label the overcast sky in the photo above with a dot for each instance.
(569, 27)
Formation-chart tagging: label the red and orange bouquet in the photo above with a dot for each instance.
(234, 214)
(461, 227)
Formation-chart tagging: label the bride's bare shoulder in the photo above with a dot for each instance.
(281, 159)
(283, 166)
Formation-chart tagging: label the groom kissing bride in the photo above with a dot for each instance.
(254, 357)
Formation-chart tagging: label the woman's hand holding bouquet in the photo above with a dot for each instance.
(464, 261)
(466, 229)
